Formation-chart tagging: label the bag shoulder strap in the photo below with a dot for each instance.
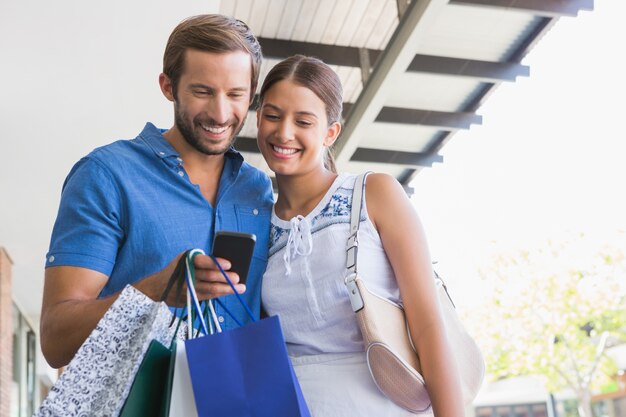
(355, 216)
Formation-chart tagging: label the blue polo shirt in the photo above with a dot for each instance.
(128, 208)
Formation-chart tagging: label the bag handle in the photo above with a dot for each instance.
(355, 218)
(352, 249)
(353, 243)
(192, 297)
(243, 303)
(195, 305)
(177, 278)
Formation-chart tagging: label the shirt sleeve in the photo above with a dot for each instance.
(88, 230)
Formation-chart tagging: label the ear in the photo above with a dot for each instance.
(332, 134)
(166, 86)
(258, 117)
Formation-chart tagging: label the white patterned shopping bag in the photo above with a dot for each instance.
(97, 381)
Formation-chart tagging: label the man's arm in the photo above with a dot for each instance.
(71, 308)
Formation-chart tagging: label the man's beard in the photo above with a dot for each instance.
(195, 141)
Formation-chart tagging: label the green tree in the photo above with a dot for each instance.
(552, 312)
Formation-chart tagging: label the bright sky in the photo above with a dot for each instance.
(550, 156)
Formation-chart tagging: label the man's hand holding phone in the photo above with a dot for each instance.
(210, 283)
(233, 251)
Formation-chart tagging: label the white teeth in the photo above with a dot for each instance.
(214, 129)
(284, 151)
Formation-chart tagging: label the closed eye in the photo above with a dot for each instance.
(269, 116)
(201, 93)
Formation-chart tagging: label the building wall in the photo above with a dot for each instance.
(6, 333)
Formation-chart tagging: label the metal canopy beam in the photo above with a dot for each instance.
(440, 119)
(482, 70)
(393, 62)
(348, 56)
(548, 8)
(383, 156)
(331, 54)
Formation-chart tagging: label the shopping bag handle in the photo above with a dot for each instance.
(243, 303)
(195, 305)
(175, 278)
(192, 297)
(185, 272)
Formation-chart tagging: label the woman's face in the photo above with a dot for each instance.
(293, 129)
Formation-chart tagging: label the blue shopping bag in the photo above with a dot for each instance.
(245, 372)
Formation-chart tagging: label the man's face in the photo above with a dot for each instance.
(212, 99)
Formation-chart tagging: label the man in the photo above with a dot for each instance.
(130, 209)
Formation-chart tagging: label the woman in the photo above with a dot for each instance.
(298, 121)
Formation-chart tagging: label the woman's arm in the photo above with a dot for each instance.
(405, 244)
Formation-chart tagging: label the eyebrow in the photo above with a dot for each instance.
(300, 113)
(206, 87)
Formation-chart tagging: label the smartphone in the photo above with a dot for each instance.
(237, 247)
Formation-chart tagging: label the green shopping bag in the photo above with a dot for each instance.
(150, 393)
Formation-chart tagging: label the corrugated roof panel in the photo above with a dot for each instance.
(352, 86)
(474, 33)
(368, 23)
(243, 9)
(288, 18)
(390, 32)
(336, 22)
(430, 92)
(257, 16)
(228, 7)
(304, 20)
(387, 19)
(398, 137)
(320, 21)
(352, 22)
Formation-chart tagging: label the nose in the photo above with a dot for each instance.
(220, 110)
(285, 131)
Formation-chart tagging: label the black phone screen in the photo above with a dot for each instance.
(238, 248)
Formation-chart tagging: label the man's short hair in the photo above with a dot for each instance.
(210, 33)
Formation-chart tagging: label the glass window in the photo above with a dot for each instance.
(506, 411)
(24, 389)
(484, 412)
(31, 379)
(539, 410)
(521, 411)
(17, 360)
(619, 404)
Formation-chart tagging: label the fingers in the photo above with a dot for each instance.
(207, 270)
(210, 282)
(207, 290)
(205, 262)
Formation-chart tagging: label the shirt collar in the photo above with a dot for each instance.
(153, 136)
